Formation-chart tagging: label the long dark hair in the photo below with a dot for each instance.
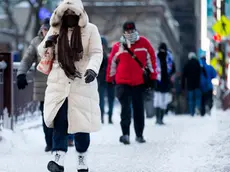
(69, 53)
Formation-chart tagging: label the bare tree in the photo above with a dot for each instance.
(35, 8)
(13, 29)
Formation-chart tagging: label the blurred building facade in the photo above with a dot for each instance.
(153, 19)
(187, 13)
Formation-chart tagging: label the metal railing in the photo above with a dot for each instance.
(24, 105)
(3, 66)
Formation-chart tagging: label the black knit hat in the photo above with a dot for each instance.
(129, 25)
(162, 47)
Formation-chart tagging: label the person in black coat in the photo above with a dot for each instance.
(162, 96)
(104, 87)
(191, 81)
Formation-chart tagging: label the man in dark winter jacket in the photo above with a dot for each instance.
(103, 86)
(191, 80)
(128, 75)
(165, 68)
(40, 79)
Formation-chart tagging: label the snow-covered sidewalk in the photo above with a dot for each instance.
(185, 144)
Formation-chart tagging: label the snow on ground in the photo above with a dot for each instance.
(185, 144)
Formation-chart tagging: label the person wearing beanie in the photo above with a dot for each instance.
(127, 73)
(191, 82)
(165, 68)
(71, 106)
(31, 56)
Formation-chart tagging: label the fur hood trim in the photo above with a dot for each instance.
(74, 5)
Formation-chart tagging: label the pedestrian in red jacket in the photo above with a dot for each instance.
(125, 71)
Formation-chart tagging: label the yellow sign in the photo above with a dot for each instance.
(222, 26)
(220, 55)
(215, 63)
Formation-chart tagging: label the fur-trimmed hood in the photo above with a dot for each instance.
(73, 5)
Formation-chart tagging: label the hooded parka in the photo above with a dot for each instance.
(83, 99)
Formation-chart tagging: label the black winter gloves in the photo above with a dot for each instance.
(90, 75)
(51, 40)
(21, 81)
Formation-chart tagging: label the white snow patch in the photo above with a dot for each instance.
(185, 144)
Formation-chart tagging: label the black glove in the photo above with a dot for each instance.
(90, 75)
(111, 84)
(21, 81)
(51, 40)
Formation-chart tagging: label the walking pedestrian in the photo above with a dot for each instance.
(162, 96)
(207, 74)
(104, 87)
(191, 81)
(125, 70)
(74, 48)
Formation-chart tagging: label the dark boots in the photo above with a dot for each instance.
(140, 139)
(157, 112)
(110, 119)
(159, 116)
(162, 114)
(48, 148)
(125, 139)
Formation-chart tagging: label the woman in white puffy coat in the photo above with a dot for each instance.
(71, 98)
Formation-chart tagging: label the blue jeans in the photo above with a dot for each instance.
(60, 135)
(194, 100)
(71, 137)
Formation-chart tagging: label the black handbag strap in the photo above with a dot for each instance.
(134, 56)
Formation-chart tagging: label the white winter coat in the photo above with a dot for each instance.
(83, 99)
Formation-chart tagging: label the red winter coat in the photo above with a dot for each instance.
(124, 69)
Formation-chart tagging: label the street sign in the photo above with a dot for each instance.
(222, 27)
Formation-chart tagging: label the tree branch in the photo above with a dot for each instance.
(10, 33)
(27, 26)
(40, 3)
(6, 7)
(31, 4)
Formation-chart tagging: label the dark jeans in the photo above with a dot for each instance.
(71, 137)
(47, 131)
(194, 100)
(207, 100)
(148, 103)
(111, 96)
(127, 95)
(60, 135)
